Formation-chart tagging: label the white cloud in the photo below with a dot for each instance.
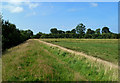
(12, 8)
(15, 2)
(93, 4)
(17, 10)
(21, 2)
(32, 5)
(16, 6)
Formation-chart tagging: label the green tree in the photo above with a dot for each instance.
(114, 36)
(73, 31)
(89, 31)
(10, 35)
(54, 31)
(105, 30)
(60, 32)
(80, 29)
(30, 33)
(87, 36)
(68, 31)
(38, 35)
(97, 31)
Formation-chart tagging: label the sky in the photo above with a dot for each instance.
(42, 16)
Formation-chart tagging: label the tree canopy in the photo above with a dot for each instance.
(105, 30)
(12, 36)
(80, 29)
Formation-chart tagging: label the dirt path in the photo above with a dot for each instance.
(106, 63)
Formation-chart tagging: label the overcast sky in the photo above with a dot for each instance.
(42, 16)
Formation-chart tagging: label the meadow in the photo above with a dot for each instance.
(35, 61)
(106, 49)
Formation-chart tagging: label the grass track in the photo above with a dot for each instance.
(34, 61)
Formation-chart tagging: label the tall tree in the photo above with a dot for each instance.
(10, 35)
(105, 30)
(80, 29)
(53, 30)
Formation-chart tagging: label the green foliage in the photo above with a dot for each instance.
(73, 31)
(89, 31)
(12, 36)
(79, 32)
(97, 31)
(60, 32)
(87, 36)
(68, 32)
(53, 30)
(80, 29)
(105, 30)
(38, 35)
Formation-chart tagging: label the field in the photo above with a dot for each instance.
(35, 61)
(106, 49)
(0, 69)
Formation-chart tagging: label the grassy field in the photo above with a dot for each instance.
(34, 61)
(106, 49)
(0, 69)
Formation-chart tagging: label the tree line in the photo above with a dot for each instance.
(79, 32)
(11, 36)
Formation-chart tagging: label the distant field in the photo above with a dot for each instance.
(34, 61)
(106, 49)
